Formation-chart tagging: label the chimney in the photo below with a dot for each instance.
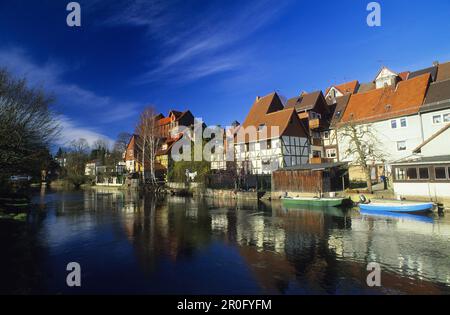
(258, 98)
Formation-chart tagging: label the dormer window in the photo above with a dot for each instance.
(385, 78)
(388, 107)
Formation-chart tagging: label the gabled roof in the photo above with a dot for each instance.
(134, 146)
(262, 106)
(345, 88)
(268, 112)
(173, 116)
(387, 70)
(285, 122)
(432, 71)
(306, 101)
(443, 72)
(385, 103)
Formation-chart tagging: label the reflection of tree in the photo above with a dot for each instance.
(163, 228)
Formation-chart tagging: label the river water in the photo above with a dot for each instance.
(127, 244)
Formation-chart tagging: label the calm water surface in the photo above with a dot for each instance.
(126, 243)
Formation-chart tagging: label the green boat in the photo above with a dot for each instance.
(315, 202)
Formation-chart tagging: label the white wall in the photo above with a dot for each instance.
(440, 145)
(285, 151)
(387, 138)
(430, 190)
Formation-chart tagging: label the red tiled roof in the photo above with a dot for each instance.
(268, 111)
(387, 102)
(345, 88)
(404, 75)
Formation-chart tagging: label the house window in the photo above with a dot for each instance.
(331, 153)
(394, 124)
(446, 117)
(261, 127)
(437, 119)
(424, 173)
(247, 147)
(400, 173)
(326, 135)
(440, 173)
(269, 144)
(403, 123)
(316, 154)
(401, 145)
(411, 173)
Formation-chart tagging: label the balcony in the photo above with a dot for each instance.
(316, 123)
(303, 115)
(319, 160)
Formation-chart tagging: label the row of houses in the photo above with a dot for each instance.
(407, 114)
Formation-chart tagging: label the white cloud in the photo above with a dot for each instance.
(196, 46)
(70, 131)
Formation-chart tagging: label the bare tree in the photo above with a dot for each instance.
(362, 147)
(121, 142)
(27, 124)
(76, 161)
(147, 129)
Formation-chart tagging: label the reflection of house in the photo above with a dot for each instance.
(271, 137)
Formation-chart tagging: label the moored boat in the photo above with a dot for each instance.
(398, 206)
(315, 202)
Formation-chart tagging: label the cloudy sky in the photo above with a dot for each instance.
(212, 57)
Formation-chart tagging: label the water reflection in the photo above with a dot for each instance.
(129, 243)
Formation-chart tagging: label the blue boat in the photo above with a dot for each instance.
(397, 206)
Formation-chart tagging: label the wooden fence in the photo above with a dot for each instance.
(306, 181)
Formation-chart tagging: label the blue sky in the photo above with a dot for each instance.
(212, 57)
